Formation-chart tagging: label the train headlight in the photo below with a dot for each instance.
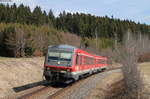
(68, 70)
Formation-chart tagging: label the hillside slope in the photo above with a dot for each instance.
(16, 72)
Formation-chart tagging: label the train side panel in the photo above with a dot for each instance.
(87, 63)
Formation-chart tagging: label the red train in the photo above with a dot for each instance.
(65, 62)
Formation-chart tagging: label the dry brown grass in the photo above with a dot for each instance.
(101, 91)
(145, 71)
(118, 91)
(112, 87)
(132, 47)
(145, 68)
(19, 71)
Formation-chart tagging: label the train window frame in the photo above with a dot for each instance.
(80, 60)
(101, 61)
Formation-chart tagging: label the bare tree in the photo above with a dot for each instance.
(20, 42)
(15, 41)
(128, 54)
(71, 39)
(40, 41)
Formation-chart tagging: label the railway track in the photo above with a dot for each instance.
(51, 92)
(55, 95)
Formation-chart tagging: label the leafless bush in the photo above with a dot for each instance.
(40, 39)
(71, 39)
(127, 54)
(21, 42)
(15, 40)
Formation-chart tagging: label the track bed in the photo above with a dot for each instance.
(77, 90)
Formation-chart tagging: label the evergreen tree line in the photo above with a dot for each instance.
(23, 14)
(25, 33)
(85, 25)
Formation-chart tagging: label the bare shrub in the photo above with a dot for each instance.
(37, 53)
(71, 39)
(39, 39)
(15, 41)
(21, 42)
(128, 53)
(145, 57)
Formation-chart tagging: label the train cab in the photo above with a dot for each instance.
(59, 63)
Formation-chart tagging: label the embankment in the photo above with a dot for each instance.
(19, 71)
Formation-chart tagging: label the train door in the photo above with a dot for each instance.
(79, 61)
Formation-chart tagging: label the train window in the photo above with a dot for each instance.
(85, 60)
(91, 61)
(53, 55)
(79, 59)
(88, 60)
(66, 56)
(100, 61)
(103, 61)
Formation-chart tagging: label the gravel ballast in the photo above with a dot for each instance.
(85, 88)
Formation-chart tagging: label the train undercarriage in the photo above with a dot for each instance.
(58, 76)
(64, 76)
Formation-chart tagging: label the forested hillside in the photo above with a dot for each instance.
(23, 32)
(18, 40)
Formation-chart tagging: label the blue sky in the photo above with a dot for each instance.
(136, 10)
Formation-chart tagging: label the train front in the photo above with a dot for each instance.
(58, 63)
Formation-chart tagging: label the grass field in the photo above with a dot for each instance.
(145, 68)
(19, 71)
(145, 71)
(112, 84)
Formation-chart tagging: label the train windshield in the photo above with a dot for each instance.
(58, 58)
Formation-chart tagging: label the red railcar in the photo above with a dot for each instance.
(65, 62)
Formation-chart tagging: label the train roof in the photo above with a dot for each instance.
(63, 46)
